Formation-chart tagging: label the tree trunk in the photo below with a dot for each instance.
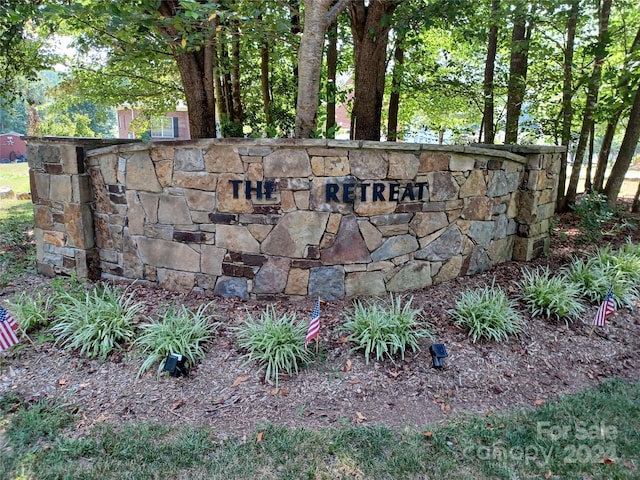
(625, 155)
(592, 100)
(196, 74)
(605, 151)
(635, 207)
(332, 67)
(370, 28)
(489, 69)
(236, 93)
(520, 38)
(396, 85)
(587, 181)
(264, 82)
(567, 95)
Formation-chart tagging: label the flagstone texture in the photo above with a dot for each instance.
(265, 218)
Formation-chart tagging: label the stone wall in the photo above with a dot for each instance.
(264, 218)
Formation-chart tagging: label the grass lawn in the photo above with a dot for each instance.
(15, 175)
(595, 434)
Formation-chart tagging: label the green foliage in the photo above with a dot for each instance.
(97, 322)
(596, 274)
(31, 312)
(594, 213)
(275, 342)
(37, 422)
(487, 313)
(548, 295)
(17, 249)
(178, 331)
(382, 329)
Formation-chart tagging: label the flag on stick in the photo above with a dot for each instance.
(607, 308)
(8, 336)
(314, 324)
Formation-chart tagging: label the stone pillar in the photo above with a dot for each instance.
(536, 201)
(62, 196)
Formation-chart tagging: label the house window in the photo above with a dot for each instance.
(166, 127)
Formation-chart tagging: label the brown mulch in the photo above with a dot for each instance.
(548, 360)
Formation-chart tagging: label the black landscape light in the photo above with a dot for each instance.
(174, 364)
(438, 354)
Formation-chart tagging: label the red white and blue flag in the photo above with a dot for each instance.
(607, 308)
(8, 325)
(314, 324)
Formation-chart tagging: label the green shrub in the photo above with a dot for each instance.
(544, 294)
(179, 331)
(97, 322)
(384, 329)
(31, 312)
(594, 213)
(595, 275)
(275, 342)
(487, 313)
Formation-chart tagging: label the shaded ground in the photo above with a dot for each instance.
(547, 360)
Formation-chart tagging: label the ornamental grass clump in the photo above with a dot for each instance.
(96, 323)
(31, 312)
(381, 329)
(179, 331)
(550, 296)
(275, 342)
(598, 273)
(487, 313)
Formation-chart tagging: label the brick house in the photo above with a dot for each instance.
(12, 147)
(173, 126)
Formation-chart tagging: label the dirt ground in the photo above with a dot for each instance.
(547, 360)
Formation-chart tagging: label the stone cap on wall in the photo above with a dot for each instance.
(477, 149)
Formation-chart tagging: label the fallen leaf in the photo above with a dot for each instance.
(62, 381)
(539, 401)
(446, 408)
(489, 413)
(260, 435)
(427, 434)
(347, 366)
(548, 475)
(394, 373)
(177, 404)
(343, 340)
(607, 460)
(239, 380)
(628, 464)
(354, 381)
(360, 417)
(284, 392)
(274, 391)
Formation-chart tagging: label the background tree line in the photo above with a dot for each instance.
(564, 72)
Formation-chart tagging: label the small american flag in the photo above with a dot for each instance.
(314, 324)
(608, 307)
(8, 336)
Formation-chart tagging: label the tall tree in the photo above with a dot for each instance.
(619, 106)
(520, 40)
(318, 15)
(591, 102)
(625, 155)
(396, 85)
(370, 26)
(489, 71)
(567, 94)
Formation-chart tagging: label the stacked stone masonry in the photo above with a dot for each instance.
(268, 218)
